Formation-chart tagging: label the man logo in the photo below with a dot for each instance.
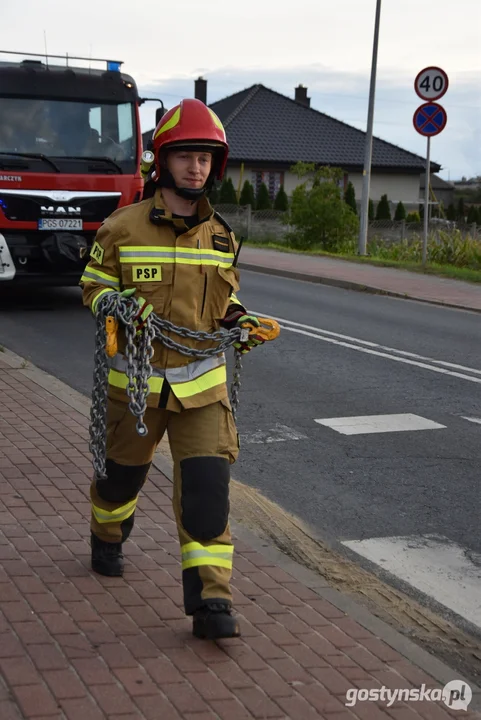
(60, 210)
(146, 273)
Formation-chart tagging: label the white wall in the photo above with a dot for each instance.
(397, 187)
(404, 188)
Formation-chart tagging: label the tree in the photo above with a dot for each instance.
(263, 201)
(461, 210)
(400, 213)
(451, 212)
(472, 214)
(318, 213)
(370, 213)
(350, 197)
(227, 195)
(383, 211)
(479, 215)
(247, 196)
(281, 202)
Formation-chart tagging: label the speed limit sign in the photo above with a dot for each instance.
(431, 83)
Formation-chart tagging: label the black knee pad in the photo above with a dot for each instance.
(123, 482)
(205, 496)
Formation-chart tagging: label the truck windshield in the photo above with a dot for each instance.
(69, 129)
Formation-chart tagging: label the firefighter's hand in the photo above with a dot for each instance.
(145, 309)
(127, 293)
(253, 340)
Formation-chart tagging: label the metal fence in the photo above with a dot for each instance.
(270, 226)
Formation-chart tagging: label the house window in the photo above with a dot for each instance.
(273, 181)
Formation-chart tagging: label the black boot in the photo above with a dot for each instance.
(214, 620)
(107, 558)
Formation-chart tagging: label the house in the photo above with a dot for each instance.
(269, 132)
(443, 190)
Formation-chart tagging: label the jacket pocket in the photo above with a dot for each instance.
(152, 281)
(220, 285)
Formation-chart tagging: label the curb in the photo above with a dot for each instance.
(419, 657)
(350, 285)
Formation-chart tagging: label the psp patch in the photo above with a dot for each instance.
(146, 273)
(97, 253)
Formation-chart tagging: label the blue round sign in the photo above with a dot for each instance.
(430, 119)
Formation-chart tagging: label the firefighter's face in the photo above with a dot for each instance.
(189, 169)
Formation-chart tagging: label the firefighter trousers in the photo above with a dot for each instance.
(203, 443)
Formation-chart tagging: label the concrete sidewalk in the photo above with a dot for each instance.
(364, 277)
(77, 646)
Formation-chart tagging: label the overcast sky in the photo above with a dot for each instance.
(326, 46)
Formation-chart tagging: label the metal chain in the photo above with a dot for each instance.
(139, 368)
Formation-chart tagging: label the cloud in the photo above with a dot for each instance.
(344, 95)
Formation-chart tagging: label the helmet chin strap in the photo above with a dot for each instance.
(193, 194)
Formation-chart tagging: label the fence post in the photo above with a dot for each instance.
(403, 230)
(249, 219)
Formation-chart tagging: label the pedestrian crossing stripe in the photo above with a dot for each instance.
(365, 424)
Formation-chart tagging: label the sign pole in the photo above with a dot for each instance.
(366, 175)
(426, 202)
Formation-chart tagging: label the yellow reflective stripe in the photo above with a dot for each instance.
(188, 547)
(196, 562)
(118, 515)
(205, 382)
(194, 554)
(216, 119)
(180, 261)
(235, 299)
(98, 296)
(120, 380)
(93, 274)
(174, 120)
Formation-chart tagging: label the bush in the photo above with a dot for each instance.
(318, 213)
(263, 201)
(281, 202)
(227, 195)
(370, 213)
(461, 215)
(413, 217)
(400, 213)
(350, 197)
(472, 215)
(451, 213)
(247, 196)
(383, 211)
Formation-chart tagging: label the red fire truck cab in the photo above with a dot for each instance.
(70, 149)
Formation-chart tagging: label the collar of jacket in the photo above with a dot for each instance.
(161, 215)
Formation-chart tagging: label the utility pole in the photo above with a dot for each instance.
(366, 177)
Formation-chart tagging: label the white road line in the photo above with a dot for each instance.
(471, 419)
(444, 570)
(364, 424)
(279, 433)
(330, 337)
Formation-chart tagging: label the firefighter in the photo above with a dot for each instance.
(175, 255)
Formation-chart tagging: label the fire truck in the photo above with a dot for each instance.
(70, 152)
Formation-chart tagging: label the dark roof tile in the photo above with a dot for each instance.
(263, 125)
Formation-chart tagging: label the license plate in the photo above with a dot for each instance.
(60, 224)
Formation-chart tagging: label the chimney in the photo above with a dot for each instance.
(201, 90)
(301, 96)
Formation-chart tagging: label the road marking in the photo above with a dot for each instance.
(471, 419)
(438, 567)
(365, 346)
(279, 433)
(364, 424)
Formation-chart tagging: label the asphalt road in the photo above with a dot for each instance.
(348, 487)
